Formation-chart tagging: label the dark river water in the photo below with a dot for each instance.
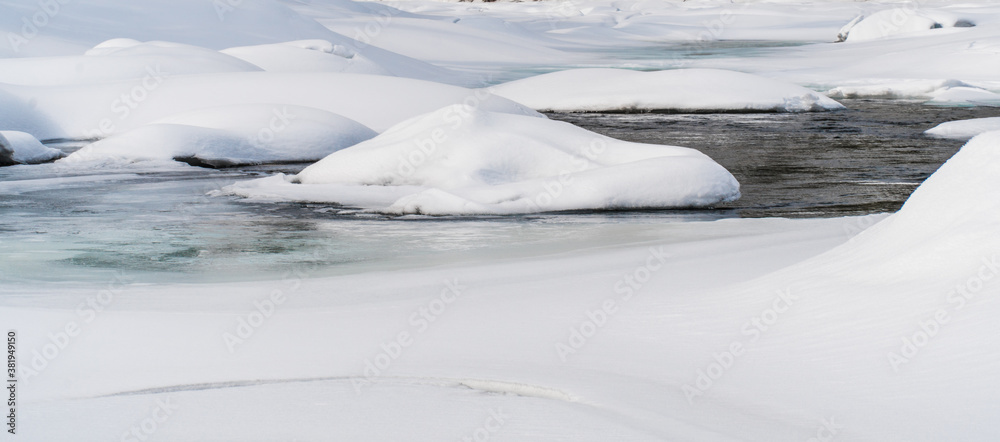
(867, 159)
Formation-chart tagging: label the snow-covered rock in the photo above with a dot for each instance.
(905, 19)
(683, 90)
(964, 129)
(459, 160)
(232, 135)
(22, 148)
(846, 29)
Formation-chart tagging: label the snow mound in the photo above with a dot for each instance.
(964, 129)
(965, 96)
(233, 135)
(97, 111)
(683, 90)
(460, 160)
(308, 56)
(120, 59)
(937, 91)
(22, 148)
(948, 224)
(902, 20)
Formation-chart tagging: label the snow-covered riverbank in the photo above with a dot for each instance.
(668, 326)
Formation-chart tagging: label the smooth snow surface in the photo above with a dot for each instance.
(460, 160)
(233, 135)
(687, 90)
(964, 129)
(375, 101)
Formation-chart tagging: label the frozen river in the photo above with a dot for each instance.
(160, 226)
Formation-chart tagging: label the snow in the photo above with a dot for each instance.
(821, 359)
(307, 56)
(117, 60)
(890, 334)
(373, 100)
(904, 20)
(686, 90)
(934, 91)
(232, 135)
(947, 223)
(22, 148)
(964, 129)
(459, 160)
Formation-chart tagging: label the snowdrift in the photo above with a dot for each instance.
(232, 135)
(459, 160)
(308, 56)
(685, 90)
(118, 60)
(22, 148)
(94, 111)
(964, 129)
(903, 20)
(30, 30)
(943, 92)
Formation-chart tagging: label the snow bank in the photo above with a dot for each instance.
(119, 59)
(459, 160)
(233, 135)
(936, 91)
(906, 19)
(99, 110)
(307, 56)
(964, 129)
(69, 30)
(22, 148)
(687, 90)
(948, 223)
(965, 96)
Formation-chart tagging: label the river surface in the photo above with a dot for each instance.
(866, 159)
(59, 224)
